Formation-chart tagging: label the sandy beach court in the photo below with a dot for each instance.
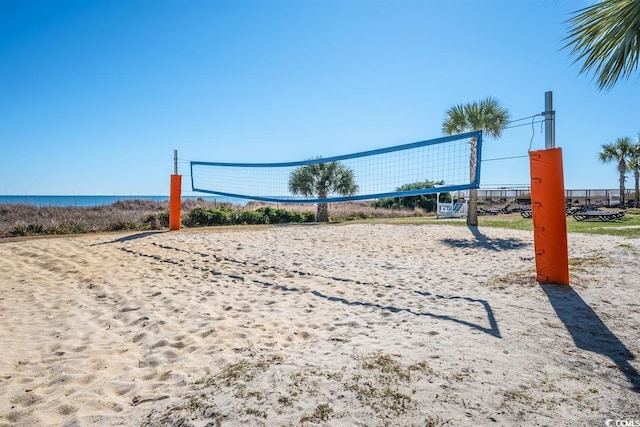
(337, 325)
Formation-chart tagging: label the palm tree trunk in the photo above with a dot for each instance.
(636, 174)
(472, 204)
(322, 213)
(622, 169)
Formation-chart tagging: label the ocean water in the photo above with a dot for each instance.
(85, 201)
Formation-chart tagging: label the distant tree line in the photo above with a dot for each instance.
(428, 202)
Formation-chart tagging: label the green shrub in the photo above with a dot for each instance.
(198, 217)
(272, 214)
(201, 217)
(356, 216)
(251, 217)
(70, 227)
(18, 230)
(222, 216)
(157, 221)
(424, 201)
(26, 230)
(122, 225)
(282, 216)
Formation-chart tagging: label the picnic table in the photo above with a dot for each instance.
(526, 213)
(598, 215)
(485, 211)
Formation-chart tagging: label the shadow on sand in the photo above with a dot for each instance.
(130, 237)
(588, 331)
(483, 242)
(491, 330)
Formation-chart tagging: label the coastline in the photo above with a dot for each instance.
(62, 201)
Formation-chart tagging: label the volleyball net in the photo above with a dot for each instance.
(398, 171)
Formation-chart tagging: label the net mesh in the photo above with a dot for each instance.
(376, 173)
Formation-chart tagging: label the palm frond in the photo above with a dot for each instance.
(322, 179)
(606, 38)
(486, 115)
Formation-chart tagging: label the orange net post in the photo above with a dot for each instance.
(174, 202)
(549, 217)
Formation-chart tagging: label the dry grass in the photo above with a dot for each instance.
(21, 219)
(140, 215)
(376, 383)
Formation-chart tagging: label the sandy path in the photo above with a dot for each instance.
(316, 325)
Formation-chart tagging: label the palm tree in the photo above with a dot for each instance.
(606, 36)
(619, 152)
(634, 165)
(486, 115)
(322, 179)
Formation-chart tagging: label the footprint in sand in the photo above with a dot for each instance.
(66, 409)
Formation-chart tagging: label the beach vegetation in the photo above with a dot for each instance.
(384, 385)
(321, 180)
(283, 216)
(157, 221)
(436, 421)
(323, 411)
(71, 227)
(519, 279)
(256, 412)
(202, 216)
(148, 215)
(122, 225)
(486, 115)
(26, 230)
(427, 202)
(252, 218)
(142, 215)
(285, 401)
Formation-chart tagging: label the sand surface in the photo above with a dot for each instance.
(354, 325)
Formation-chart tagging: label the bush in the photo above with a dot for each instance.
(302, 216)
(202, 217)
(157, 221)
(252, 217)
(198, 217)
(221, 216)
(424, 201)
(273, 215)
(122, 225)
(70, 227)
(224, 215)
(282, 216)
(355, 216)
(26, 230)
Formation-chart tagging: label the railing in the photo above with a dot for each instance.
(604, 197)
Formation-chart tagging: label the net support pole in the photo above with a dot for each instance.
(548, 207)
(549, 121)
(175, 195)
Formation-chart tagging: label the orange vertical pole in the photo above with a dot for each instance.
(174, 202)
(549, 217)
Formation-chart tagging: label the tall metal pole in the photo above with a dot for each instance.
(550, 121)
(175, 162)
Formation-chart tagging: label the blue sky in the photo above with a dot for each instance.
(96, 95)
